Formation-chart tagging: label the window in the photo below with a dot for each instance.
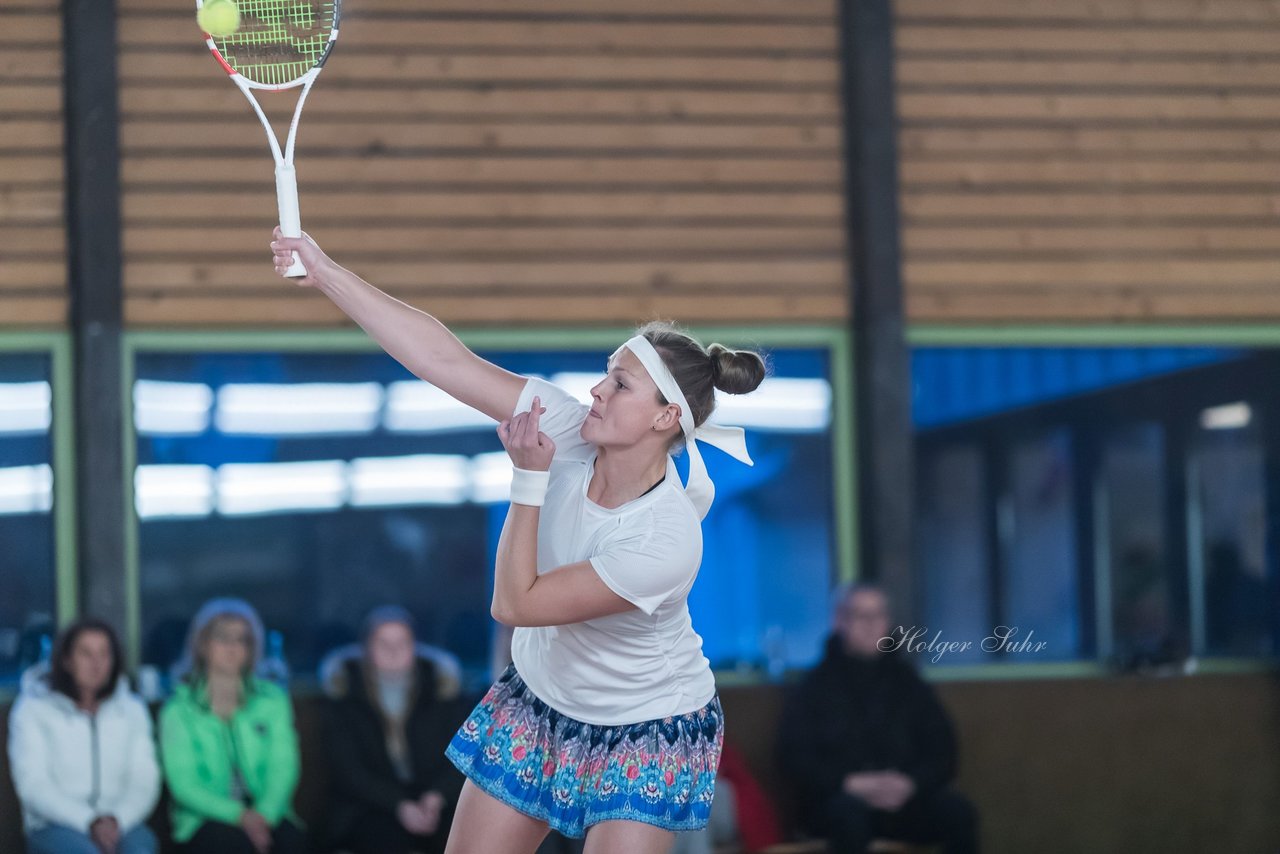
(1227, 487)
(27, 561)
(1143, 626)
(953, 552)
(1040, 596)
(1106, 503)
(318, 485)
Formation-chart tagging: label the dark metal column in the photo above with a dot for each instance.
(94, 276)
(882, 362)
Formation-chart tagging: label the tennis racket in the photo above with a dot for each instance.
(280, 44)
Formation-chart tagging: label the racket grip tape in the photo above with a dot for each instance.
(290, 219)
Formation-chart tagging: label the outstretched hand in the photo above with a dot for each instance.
(312, 256)
(528, 448)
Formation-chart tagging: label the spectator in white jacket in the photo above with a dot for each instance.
(81, 750)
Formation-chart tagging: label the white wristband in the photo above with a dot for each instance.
(529, 487)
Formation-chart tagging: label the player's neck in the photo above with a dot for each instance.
(623, 475)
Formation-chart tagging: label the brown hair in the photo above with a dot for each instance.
(60, 678)
(700, 371)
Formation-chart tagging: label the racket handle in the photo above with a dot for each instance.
(290, 219)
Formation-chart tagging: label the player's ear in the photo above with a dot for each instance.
(669, 417)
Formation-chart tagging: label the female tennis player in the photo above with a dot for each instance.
(607, 723)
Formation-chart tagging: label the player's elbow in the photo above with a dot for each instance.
(515, 617)
(502, 613)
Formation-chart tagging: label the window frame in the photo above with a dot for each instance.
(836, 340)
(1089, 335)
(66, 580)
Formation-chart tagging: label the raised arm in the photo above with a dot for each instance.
(413, 338)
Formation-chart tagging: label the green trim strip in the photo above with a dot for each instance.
(57, 345)
(1231, 666)
(549, 338)
(17, 342)
(1240, 335)
(132, 561)
(995, 672)
(1090, 670)
(845, 460)
(67, 550)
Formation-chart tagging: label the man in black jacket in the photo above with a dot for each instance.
(866, 745)
(391, 712)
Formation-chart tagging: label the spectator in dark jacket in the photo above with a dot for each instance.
(391, 713)
(866, 745)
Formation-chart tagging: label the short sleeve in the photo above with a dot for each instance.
(653, 565)
(564, 416)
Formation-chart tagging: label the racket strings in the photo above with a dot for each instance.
(278, 41)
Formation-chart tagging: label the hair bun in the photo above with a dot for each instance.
(736, 371)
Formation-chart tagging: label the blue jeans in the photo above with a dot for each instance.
(56, 839)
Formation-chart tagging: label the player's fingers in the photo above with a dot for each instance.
(529, 431)
(520, 430)
(533, 416)
(535, 413)
(523, 423)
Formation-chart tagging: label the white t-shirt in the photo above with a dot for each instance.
(644, 663)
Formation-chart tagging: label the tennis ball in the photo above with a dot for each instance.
(219, 18)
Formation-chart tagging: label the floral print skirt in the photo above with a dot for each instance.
(572, 774)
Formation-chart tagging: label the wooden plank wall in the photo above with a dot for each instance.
(1085, 160)
(33, 270)
(500, 161)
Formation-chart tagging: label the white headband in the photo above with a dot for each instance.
(731, 440)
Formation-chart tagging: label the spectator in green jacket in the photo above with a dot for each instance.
(227, 742)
